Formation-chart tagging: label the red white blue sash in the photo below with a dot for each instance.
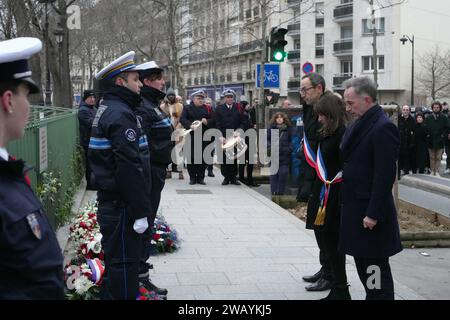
(324, 194)
(308, 151)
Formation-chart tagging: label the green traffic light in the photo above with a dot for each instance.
(278, 55)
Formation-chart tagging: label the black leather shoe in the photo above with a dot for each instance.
(225, 182)
(202, 182)
(211, 174)
(314, 277)
(236, 183)
(253, 184)
(338, 293)
(151, 287)
(320, 285)
(192, 182)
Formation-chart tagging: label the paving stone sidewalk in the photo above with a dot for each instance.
(236, 244)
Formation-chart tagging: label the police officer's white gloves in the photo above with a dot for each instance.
(140, 225)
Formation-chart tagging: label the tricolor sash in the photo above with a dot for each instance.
(324, 194)
(308, 151)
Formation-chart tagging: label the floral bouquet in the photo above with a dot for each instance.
(84, 272)
(164, 239)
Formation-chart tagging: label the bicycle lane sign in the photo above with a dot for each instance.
(272, 75)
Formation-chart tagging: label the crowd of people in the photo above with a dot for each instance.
(349, 150)
(424, 137)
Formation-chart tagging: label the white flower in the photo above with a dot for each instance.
(160, 232)
(153, 242)
(161, 240)
(82, 285)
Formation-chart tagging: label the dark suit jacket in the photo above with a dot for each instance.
(370, 150)
(230, 119)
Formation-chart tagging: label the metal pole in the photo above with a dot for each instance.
(47, 100)
(412, 73)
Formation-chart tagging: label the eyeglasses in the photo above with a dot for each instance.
(304, 90)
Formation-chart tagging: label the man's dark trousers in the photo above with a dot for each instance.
(386, 288)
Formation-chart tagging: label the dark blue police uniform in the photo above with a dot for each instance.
(158, 129)
(86, 115)
(31, 263)
(119, 158)
(190, 114)
(233, 119)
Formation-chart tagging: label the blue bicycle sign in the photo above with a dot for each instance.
(271, 75)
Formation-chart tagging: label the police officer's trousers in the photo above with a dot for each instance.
(122, 247)
(158, 182)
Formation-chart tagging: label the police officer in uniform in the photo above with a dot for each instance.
(31, 262)
(158, 129)
(119, 158)
(197, 111)
(86, 115)
(229, 116)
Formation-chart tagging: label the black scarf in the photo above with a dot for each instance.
(153, 95)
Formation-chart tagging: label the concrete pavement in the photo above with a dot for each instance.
(237, 244)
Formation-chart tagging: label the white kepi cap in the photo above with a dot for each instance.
(14, 55)
(122, 64)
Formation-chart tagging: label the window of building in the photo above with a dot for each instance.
(320, 68)
(347, 67)
(256, 11)
(368, 28)
(346, 1)
(319, 8)
(297, 44)
(297, 72)
(319, 39)
(347, 32)
(368, 63)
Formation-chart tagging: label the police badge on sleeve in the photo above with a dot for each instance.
(131, 135)
(34, 225)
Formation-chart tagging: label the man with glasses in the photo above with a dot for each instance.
(312, 89)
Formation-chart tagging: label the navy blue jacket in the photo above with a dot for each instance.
(370, 150)
(30, 258)
(285, 143)
(229, 119)
(86, 115)
(157, 126)
(118, 153)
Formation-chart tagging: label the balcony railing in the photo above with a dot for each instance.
(248, 75)
(343, 12)
(223, 52)
(293, 28)
(293, 3)
(293, 56)
(338, 79)
(343, 46)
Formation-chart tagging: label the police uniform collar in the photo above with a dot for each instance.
(12, 168)
(14, 55)
(4, 154)
(153, 94)
(129, 97)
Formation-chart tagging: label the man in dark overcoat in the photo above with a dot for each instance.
(369, 225)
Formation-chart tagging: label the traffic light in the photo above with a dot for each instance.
(277, 44)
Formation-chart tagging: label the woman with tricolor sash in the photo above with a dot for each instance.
(324, 205)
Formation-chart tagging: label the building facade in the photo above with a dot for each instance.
(222, 43)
